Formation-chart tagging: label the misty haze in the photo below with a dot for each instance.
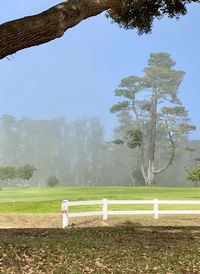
(99, 137)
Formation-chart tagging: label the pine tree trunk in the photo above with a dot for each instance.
(150, 174)
(150, 180)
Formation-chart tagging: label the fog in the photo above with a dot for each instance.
(77, 153)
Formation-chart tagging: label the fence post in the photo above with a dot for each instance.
(155, 208)
(65, 205)
(105, 209)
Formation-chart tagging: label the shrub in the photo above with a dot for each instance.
(52, 181)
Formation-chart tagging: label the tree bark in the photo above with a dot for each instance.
(139, 126)
(172, 155)
(51, 24)
(150, 178)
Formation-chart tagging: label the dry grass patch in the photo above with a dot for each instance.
(52, 220)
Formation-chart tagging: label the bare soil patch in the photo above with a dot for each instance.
(42, 220)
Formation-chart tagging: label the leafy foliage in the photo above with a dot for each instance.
(118, 142)
(52, 181)
(120, 106)
(140, 14)
(151, 116)
(7, 173)
(25, 172)
(194, 175)
(10, 172)
(134, 138)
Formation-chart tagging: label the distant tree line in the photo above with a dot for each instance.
(76, 153)
(22, 173)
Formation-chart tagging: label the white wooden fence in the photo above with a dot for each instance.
(105, 212)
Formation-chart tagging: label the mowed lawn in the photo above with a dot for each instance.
(48, 200)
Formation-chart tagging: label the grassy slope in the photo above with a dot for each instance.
(48, 200)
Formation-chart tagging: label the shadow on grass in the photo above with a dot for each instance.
(125, 227)
(126, 248)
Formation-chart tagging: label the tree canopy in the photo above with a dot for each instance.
(151, 113)
(8, 173)
(48, 25)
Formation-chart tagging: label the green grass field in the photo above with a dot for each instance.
(48, 200)
(124, 245)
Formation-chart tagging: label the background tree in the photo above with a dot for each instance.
(9, 140)
(159, 119)
(95, 149)
(192, 150)
(194, 176)
(7, 173)
(52, 181)
(52, 23)
(2, 174)
(25, 172)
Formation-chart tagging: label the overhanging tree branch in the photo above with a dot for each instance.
(50, 24)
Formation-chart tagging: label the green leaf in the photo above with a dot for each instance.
(118, 142)
(119, 106)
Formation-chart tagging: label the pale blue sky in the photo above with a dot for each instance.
(76, 76)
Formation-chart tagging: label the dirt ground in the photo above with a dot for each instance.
(17, 220)
(125, 249)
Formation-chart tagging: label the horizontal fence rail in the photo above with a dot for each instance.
(105, 212)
